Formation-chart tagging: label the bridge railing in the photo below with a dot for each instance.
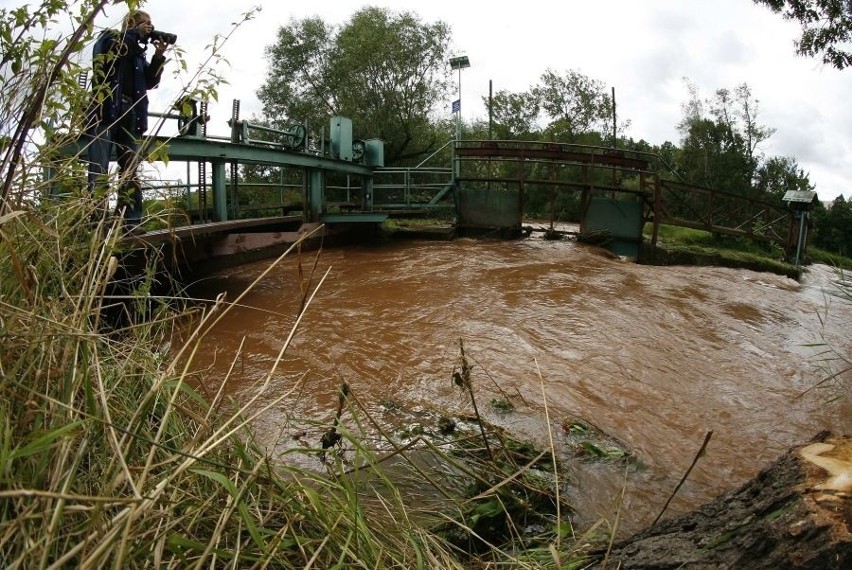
(412, 188)
(561, 152)
(531, 165)
(722, 213)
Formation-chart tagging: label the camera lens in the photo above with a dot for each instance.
(165, 37)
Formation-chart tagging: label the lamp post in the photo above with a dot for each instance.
(459, 62)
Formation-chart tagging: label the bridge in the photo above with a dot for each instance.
(619, 192)
(340, 183)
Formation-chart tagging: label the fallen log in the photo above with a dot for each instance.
(796, 513)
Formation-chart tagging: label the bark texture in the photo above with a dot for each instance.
(796, 513)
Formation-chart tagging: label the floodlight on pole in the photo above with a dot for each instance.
(459, 62)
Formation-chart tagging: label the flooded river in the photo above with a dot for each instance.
(654, 356)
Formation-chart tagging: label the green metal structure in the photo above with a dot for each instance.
(342, 180)
(253, 144)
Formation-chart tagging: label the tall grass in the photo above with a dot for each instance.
(685, 246)
(834, 365)
(838, 261)
(679, 236)
(109, 457)
(699, 240)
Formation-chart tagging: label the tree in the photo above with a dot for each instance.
(563, 108)
(712, 156)
(779, 175)
(833, 227)
(39, 86)
(826, 28)
(720, 148)
(669, 154)
(575, 104)
(386, 71)
(738, 112)
(515, 115)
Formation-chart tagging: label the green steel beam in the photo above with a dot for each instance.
(374, 217)
(193, 149)
(316, 188)
(220, 196)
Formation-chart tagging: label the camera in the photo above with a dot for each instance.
(165, 37)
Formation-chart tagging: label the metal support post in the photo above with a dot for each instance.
(220, 194)
(367, 192)
(316, 184)
(803, 219)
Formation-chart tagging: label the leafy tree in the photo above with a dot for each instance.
(826, 28)
(833, 227)
(780, 174)
(515, 115)
(574, 103)
(720, 146)
(669, 153)
(386, 71)
(39, 87)
(738, 112)
(564, 108)
(712, 155)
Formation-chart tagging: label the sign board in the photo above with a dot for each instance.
(800, 196)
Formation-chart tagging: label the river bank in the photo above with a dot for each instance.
(112, 458)
(677, 246)
(718, 257)
(796, 513)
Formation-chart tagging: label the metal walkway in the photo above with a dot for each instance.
(341, 181)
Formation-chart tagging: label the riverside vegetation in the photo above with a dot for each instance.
(109, 457)
(684, 246)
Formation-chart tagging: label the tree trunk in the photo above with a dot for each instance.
(796, 513)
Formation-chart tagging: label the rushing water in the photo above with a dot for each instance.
(653, 356)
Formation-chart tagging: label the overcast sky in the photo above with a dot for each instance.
(642, 48)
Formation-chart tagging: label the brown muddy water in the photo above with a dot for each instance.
(653, 356)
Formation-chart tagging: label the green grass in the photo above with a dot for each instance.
(746, 250)
(109, 457)
(686, 246)
(685, 237)
(816, 255)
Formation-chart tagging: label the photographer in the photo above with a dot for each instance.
(119, 113)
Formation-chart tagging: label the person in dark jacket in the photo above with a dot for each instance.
(121, 79)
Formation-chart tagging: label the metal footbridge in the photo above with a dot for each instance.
(336, 181)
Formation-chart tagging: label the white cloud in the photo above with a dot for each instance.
(643, 49)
